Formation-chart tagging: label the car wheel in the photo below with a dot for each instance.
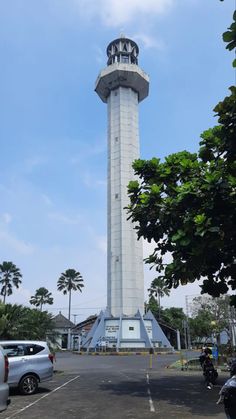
(28, 384)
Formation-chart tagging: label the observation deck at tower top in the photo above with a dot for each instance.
(122, 70)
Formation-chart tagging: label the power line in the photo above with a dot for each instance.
(77, 307)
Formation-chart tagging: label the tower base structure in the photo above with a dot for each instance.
(125, 333)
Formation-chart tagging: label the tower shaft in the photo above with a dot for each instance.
(125, 255)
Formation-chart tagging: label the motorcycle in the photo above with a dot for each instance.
(211, 376)
(209, 372)
(232, 366)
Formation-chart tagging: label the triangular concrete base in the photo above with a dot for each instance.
(136, 332)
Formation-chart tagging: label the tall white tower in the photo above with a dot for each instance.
(122, 85)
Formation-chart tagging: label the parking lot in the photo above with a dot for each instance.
(117, 387)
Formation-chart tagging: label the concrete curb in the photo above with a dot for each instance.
(121, 353)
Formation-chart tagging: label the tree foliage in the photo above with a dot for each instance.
(70, 280)
(19, 322)
(174, 316)
(42, 296)
(9, 276)
(210, 316)
(153, 306)
(158, 289)
(230, 37)
(186, 204)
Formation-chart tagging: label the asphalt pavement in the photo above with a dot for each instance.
(119, 387)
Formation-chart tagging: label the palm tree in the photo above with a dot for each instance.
(159, 290)
(68, 281)
(9, 276)
(42, 296)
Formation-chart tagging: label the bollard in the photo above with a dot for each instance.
(182, 361)
(151, 352)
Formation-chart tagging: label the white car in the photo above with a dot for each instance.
(4, 388)
(30, 363)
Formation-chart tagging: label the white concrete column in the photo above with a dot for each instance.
(125, 256)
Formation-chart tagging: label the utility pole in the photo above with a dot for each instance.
(232, 326)
(187, 322)
(188, 337)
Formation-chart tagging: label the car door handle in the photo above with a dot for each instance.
(23, 359)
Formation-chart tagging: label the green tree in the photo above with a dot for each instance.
(19, 322)
(210, 316)
(70, 280)
(174, 316)
(230, 37)
(201, 327)
(42, 296)
(9, 276)
(39, 324)
(186, 204)
(11, 321)
(159, 289)
(152, 305)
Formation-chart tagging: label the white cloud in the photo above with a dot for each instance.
(46, 200)
(15, 244)
(114, 13)
(31, 163)
(64, 219)
(102, 243)
(91, 181)
(20, 295)
(99, 55)
(6, 217)
(99, 146)
(148, 41)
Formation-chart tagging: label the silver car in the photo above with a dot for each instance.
(30, 363)
(4, 388)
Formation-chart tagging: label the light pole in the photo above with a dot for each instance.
(188, 335)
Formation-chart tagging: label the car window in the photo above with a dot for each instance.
(33, 349)
(13, 350)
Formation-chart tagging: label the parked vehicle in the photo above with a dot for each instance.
(228, 394)
(30, 363)
(232, 366)
(4, 388)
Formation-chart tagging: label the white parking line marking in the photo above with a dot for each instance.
(43, 397)
(152, 408)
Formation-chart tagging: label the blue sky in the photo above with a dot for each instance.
(53, 126)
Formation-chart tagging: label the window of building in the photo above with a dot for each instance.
(125, 59)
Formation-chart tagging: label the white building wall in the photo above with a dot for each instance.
(130, 329)
(148, 325)
(112, 328)
(125, 255)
